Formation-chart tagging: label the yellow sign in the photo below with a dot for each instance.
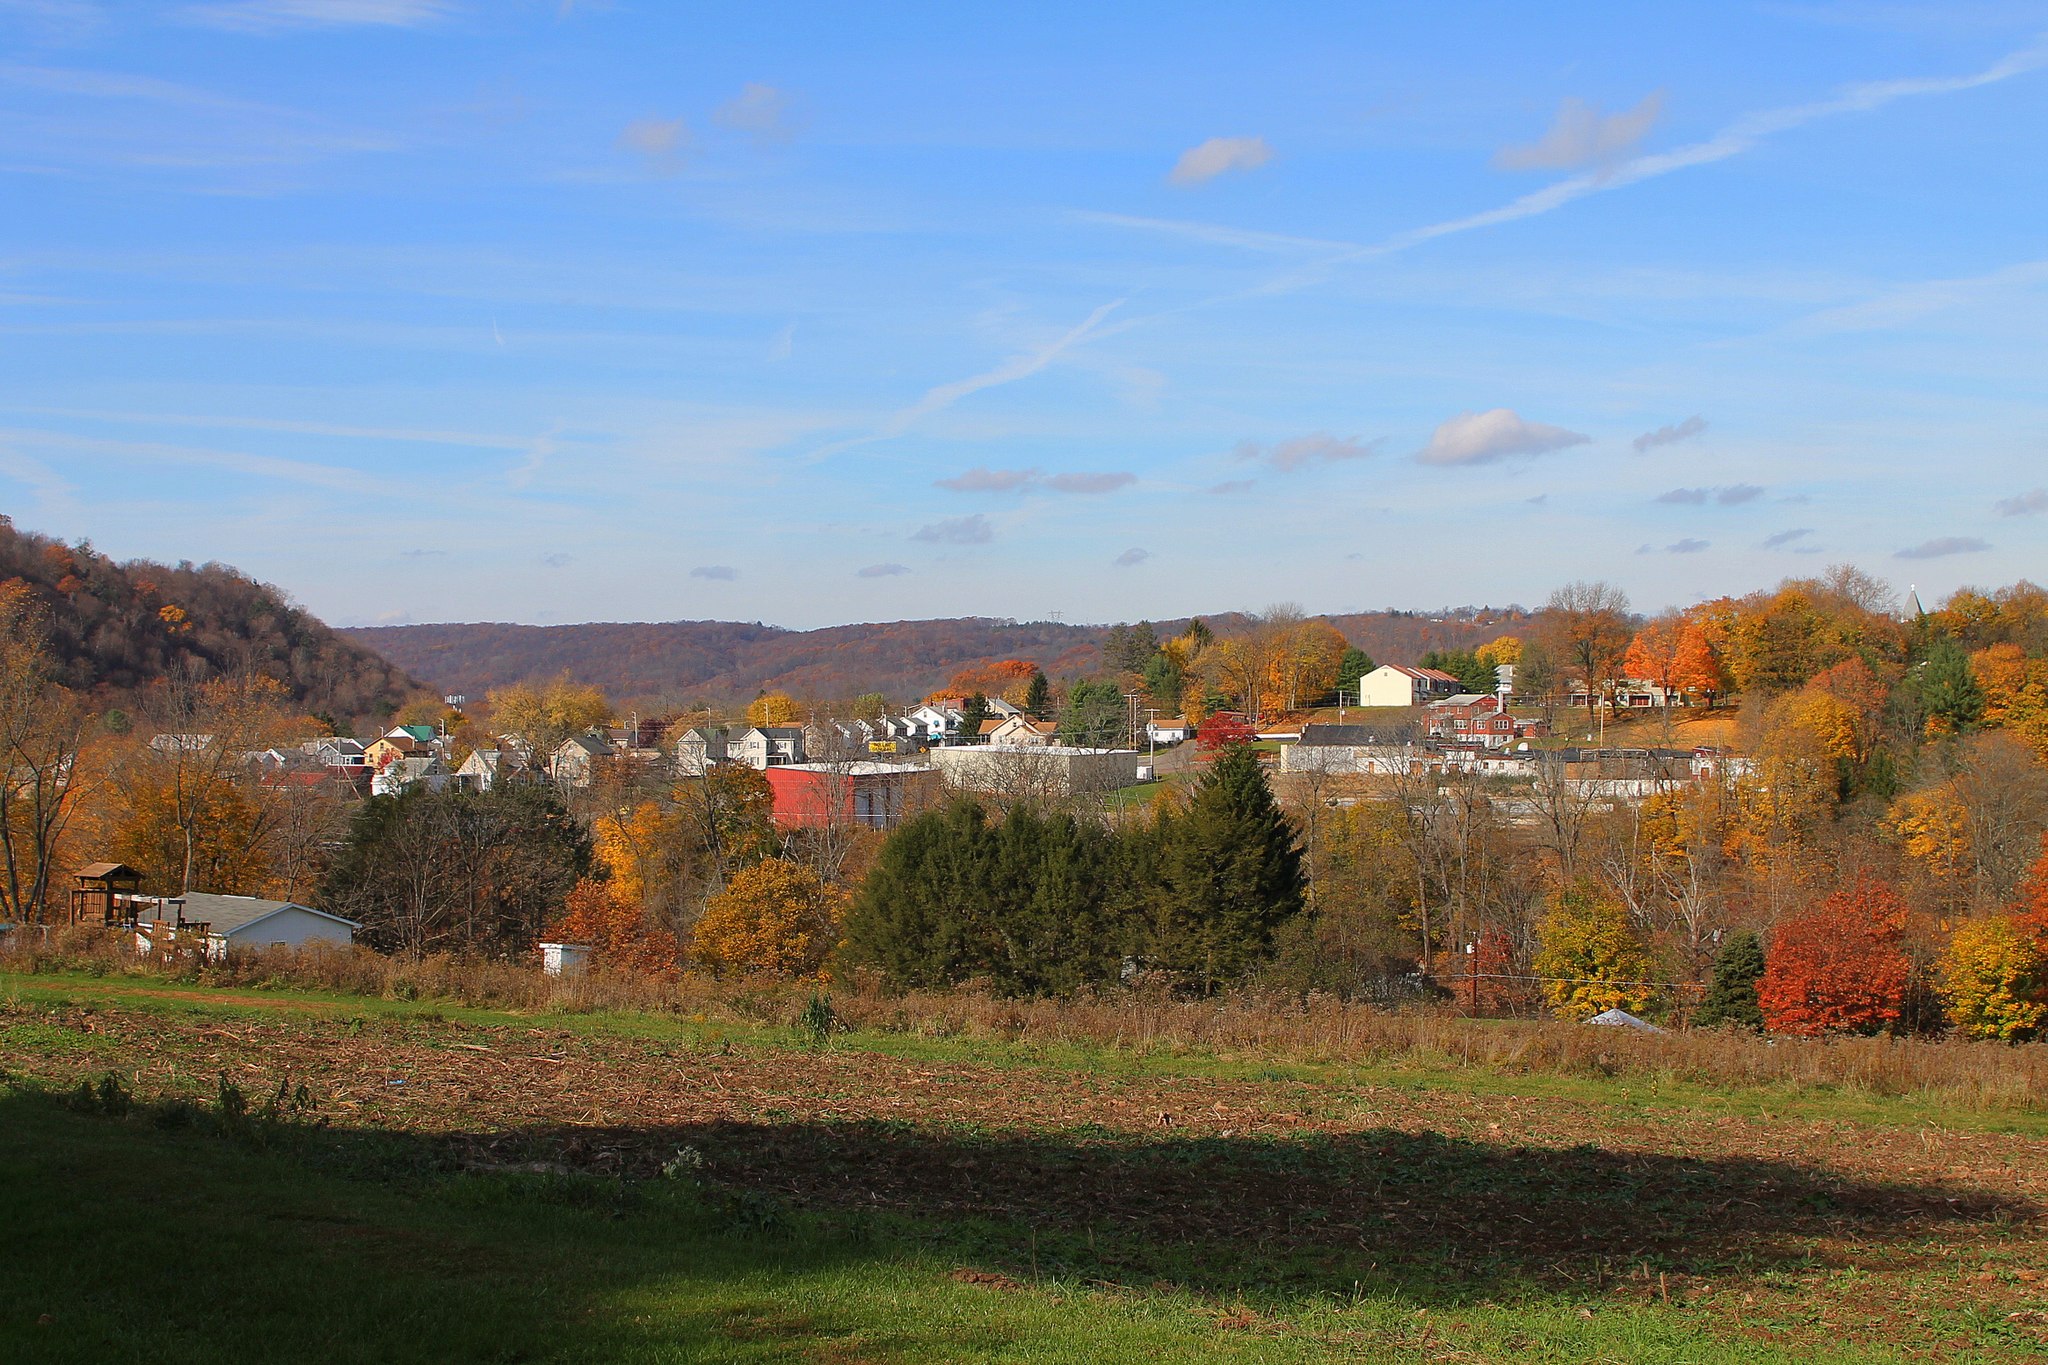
(881, 746)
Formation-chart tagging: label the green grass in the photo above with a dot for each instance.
(1337, 1081)
(147, 1235)
(130, 1243)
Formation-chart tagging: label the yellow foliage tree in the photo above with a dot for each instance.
(1593, 956)
(228, 828)
(2015, 693)
(775, 917)
(1996, 971)
(1934, 829)
(773, 708)
(1506, 650)
(640, 846)
(546, 715)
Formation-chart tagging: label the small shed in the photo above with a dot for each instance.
(563, 959)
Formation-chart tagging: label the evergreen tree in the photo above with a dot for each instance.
(1947, 687)
(1355, 665)
(972, 713)
(1164, 680)
(1127, 649)
(1463, 665)
(1095, 715)
(1229, 875)
(1732, 997)
(1037, 696)
(1029, 906)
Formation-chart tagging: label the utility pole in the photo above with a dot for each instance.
(1472, 956)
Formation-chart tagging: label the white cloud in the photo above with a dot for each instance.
(558, 560)
(1942, 546)
(661, 141)
(1687, 547)
(1499, 434)
(1669, 435)
(882, 571)
(1318, 447)
(1736, 494)
(980, 480)
(1784, 538)
(1686, 497)
(1230, 486)
(282, 16)
(1581, 135)
(2028, 504)
(974, 530)
(717, 573)
(1131, 558)
(766, 113)
(1206, 161)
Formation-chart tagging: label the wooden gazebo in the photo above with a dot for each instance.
(106, 894)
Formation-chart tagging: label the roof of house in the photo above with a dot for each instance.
(780, 731)
(99, 870)
(1351, 735)
(423, 733)
(1464, 699)
(226, 914)
(989, 727)
(589, 744)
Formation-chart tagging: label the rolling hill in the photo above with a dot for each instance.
(115, 628)
(677, 663)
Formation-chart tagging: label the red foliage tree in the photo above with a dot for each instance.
(1222, 730)
(2031, 908)
(616, 930)
(1839, 967)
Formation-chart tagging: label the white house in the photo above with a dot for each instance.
(938, 723)
(241, 922)
(767, 745)
(1167, 730)
(1021, 729)
(1399, 685)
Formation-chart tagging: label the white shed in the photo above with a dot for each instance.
(563, 959)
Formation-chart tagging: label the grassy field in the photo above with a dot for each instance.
(304, 1175)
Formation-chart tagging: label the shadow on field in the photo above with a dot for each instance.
(1443, 1219)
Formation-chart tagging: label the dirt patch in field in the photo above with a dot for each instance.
(1829, 1231)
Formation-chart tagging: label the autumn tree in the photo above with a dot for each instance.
(2015, 690)
(1671, 652)
(1592, 956)
(774, 708)
(1224, 730)
(616, 929)
(775, 918)
(1585, 626)
(543, 715)
(42, 739)
(1996, 976)
(1840, 966)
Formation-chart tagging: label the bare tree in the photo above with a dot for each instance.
(1586, 626)
(42, 729)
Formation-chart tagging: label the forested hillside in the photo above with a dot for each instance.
(685, 661)
(114, 628)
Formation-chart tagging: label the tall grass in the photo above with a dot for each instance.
(1248, 1025)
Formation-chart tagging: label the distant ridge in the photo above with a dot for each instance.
(676, 663)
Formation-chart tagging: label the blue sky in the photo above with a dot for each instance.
(454, 310)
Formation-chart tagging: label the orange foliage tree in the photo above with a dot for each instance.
(776, 917)
(616, 930)
(1672, 652)
(2015, 693)
(1839, 967)
(1009, 679)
